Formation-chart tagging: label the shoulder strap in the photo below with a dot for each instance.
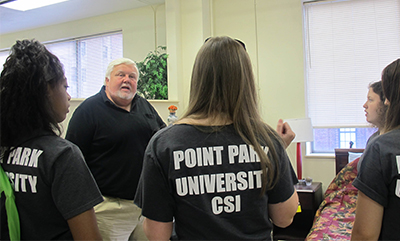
(11, 208)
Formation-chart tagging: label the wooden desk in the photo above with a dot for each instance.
(310, 198)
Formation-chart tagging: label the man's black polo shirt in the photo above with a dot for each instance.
(113, 141)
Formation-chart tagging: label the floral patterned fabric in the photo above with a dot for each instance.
(335, 216)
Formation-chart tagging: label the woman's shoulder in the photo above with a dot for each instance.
(389, 137)
(54, 144)
(185, 131)
(174, 130)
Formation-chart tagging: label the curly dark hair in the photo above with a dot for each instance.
(28, 72)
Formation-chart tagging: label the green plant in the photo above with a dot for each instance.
(152, 82)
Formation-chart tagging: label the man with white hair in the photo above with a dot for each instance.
(112, 128)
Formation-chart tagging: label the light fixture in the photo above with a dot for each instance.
(304, 132)
(24, 5)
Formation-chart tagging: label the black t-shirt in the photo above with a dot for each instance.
(379, 179)
(210, 183)
(52, 184)
(113, 141)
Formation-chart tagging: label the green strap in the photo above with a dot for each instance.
(11, 208)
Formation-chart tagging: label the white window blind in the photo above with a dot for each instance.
(348, 43)
(85, 60)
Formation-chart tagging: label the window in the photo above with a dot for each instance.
(85, 61)
(347, 45)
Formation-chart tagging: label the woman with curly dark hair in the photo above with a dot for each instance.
(54, 190)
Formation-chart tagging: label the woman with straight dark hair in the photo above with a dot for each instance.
(378, 180)
(220, 172)
(54, 190)
(375, 109)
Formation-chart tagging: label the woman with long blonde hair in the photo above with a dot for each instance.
(220, 172)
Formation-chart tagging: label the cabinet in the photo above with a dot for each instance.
(310, 198)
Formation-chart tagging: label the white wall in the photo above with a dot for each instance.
(271, 29)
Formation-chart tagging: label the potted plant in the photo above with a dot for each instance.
(152, 82)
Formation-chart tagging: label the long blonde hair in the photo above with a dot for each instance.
(223, 85)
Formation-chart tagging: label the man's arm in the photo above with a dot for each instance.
(80, 130)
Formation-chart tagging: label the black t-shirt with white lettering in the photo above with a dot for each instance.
(52, 184)
(379, 179)
(210, 183)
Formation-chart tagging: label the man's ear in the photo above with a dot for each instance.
(106, 81)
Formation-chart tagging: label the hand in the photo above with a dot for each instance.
(285, 132)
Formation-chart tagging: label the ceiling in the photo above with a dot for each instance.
(14, 21)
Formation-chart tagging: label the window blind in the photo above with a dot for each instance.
(85, 61)
(347, 45)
